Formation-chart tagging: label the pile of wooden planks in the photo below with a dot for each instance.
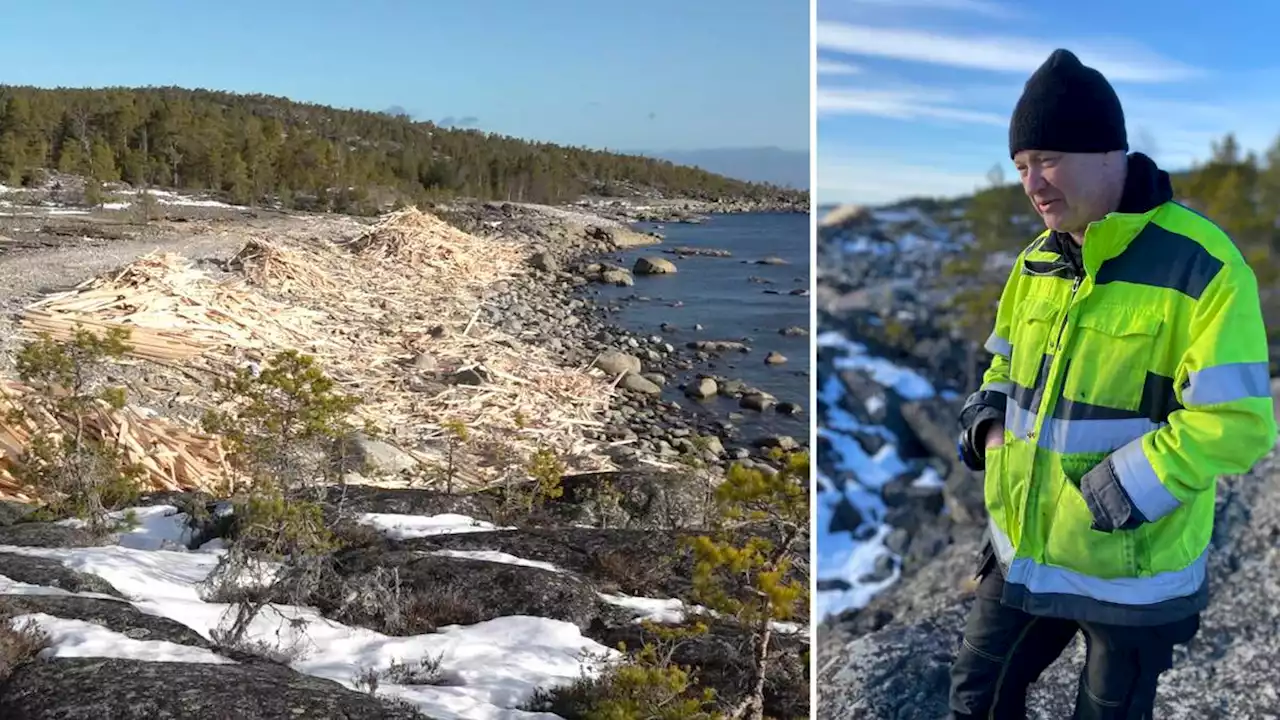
(175, 457)
(174, 311)
(366, 306)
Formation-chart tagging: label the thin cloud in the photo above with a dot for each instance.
(832, 67)
(1118, 60)
(900, 105)
(869, 181)
(465, 121)
(973, 7)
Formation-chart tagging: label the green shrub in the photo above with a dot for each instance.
(74, 470)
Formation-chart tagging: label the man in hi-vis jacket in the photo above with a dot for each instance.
(1130, 371)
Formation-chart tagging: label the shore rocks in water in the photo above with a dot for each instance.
(640, 384)
(616, 362)
(718, 346)
(697, 252)
(775, 358)
(653, 266)
(702, 388)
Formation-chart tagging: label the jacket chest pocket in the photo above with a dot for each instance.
(1031, 337)
(1111, 353)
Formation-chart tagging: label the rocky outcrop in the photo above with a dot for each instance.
(96, 688)
(891, 659)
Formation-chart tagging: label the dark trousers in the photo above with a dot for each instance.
(1005, 650)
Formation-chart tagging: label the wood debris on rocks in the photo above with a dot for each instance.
(175, 457)
(369, 307)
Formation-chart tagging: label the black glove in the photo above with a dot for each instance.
(980, 409)
(972, 445)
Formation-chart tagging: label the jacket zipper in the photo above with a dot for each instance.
(1046, 402)
(1065, 315)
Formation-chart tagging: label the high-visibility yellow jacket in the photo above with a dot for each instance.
(1130, 388)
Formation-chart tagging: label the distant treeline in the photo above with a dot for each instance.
(257, 148)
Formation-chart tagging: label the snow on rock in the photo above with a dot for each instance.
(854, 563)
(78, 638)
(904, 381)
(670, 611)
(487, 669)
(9, 586)
(406, 527)
(160, 527)
(498, 557)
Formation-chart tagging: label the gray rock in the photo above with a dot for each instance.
(362, 452)
(617, 276)
(42, 534)
(615, 362)
(653, 266)
(656, 378)
(457, 591)
(116, 615)
(51, 573)
(757, 400)
(97, 688)
(638, 383)
(701, 388)
(544, 261)
(719, 346)
(12, 511)
(891, 659)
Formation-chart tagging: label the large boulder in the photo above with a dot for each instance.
(616, 362)
(653, 266)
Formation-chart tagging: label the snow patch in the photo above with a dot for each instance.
(405, 527)
(488, 669)
(495, 556)
(77, 638)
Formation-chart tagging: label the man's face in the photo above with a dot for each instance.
(1065, 188)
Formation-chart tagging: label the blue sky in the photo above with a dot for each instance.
(914, 96)
(653, 75)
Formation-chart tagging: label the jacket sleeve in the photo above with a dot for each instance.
(1227, 420)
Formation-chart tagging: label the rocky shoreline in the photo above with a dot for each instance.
(683, 210)
(553, 306)
(591, 560)
(891, 657)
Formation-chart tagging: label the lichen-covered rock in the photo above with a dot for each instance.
(99, 688)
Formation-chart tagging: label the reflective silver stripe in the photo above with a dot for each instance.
(1225, 383)
(1085, 436)
(1018, 421)
(1000, 387)
(1140, 480)
(997, 345)
(1049, 579)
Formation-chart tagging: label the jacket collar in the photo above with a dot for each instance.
(1146, 189)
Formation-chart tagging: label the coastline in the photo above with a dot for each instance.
(585, 570)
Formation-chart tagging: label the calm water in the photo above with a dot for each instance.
(719, 294)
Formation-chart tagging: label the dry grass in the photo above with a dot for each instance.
(20, 643)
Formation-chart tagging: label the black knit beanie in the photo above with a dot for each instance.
(1067, 107)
